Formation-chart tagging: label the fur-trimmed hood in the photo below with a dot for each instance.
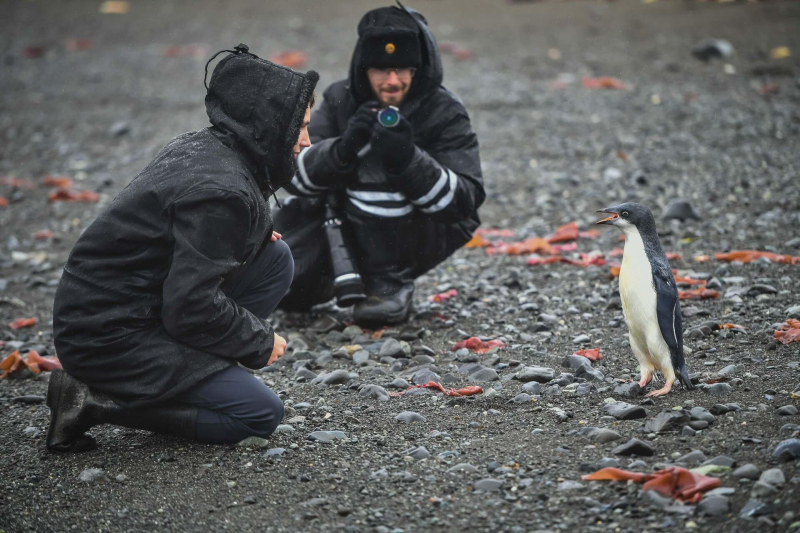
(429, 75)
(258, 107)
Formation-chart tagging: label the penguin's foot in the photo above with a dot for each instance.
(645, 380)
(661, 391)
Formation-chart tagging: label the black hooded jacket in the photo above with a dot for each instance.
(141, 311)
(443, 181)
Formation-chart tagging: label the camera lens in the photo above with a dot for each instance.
(389, 117)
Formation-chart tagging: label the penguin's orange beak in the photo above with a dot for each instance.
(607, 220)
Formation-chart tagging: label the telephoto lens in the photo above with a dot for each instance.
(348, 287)
(389, 117)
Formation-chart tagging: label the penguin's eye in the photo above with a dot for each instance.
(625, 214)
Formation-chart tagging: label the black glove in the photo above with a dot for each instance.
(394, 146)
(357, 134)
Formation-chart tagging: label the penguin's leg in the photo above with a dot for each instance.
(662, 361)
(662, 391)
(640, 352)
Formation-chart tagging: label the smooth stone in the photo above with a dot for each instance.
(425, 375)
(361, 356)
(274, 452)
(28, 399)
(409, 417)
(462, 468)
(718, 389)
(754, 508)
(374, 391)
(630, 390)
(540, 374)
(569, 485)
(581, 339)
(708, 49)
(786, 410)
(91, 475)
(713, 506)
(698, 425)
(522, 397)
(721, 460)
(634, 447)
(607, 462)
(763, 490)
(283, 428)
(326, 436)
(305, 374)
(602, 435)
(392, 348)
(534, 388)
(484, 375)
(773, 476)
(399, 383)
(337, 377)
(788, 450)
(667, 421)
(487, 485)
(625, 411)
(701, 413)
(748, 471)
(253, 442)
(417, 452)
(692, 458)
(680, 210)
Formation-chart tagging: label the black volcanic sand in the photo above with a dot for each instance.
(553, 152)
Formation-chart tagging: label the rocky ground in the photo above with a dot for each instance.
(722, 135)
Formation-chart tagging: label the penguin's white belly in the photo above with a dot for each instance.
(639, 299)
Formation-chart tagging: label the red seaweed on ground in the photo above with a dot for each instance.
(474, 344)
(675, 482)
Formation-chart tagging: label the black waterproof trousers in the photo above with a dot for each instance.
(394, 248)
(233, 404)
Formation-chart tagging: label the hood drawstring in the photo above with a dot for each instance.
(240, 49)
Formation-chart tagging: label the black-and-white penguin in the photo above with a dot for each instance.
(649, 298)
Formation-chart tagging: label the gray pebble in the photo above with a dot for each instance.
(409, 417)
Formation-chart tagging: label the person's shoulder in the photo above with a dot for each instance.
(446, 100)
(337, 93)
(441, 107)
(198, 160)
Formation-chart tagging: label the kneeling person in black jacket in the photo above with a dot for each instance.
(167, 292)
(411, 199)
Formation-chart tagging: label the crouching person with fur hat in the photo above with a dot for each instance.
(410, 193)
(165, 296)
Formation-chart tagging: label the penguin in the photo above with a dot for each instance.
(649, 298)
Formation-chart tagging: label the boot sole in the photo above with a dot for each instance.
(390, 319)
(54, 389)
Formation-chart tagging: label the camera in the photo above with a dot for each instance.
(348, 287)
(389, 117)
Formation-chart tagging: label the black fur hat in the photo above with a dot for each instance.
(391, 48)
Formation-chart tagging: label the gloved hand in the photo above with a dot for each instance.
(394, 146)
(358, 132)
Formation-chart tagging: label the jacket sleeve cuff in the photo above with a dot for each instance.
(318, 168)
(259, 360)
(430, 186)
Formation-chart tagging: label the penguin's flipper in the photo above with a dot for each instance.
(668, 310)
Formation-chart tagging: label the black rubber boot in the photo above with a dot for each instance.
(388, 301)
(74, 409)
